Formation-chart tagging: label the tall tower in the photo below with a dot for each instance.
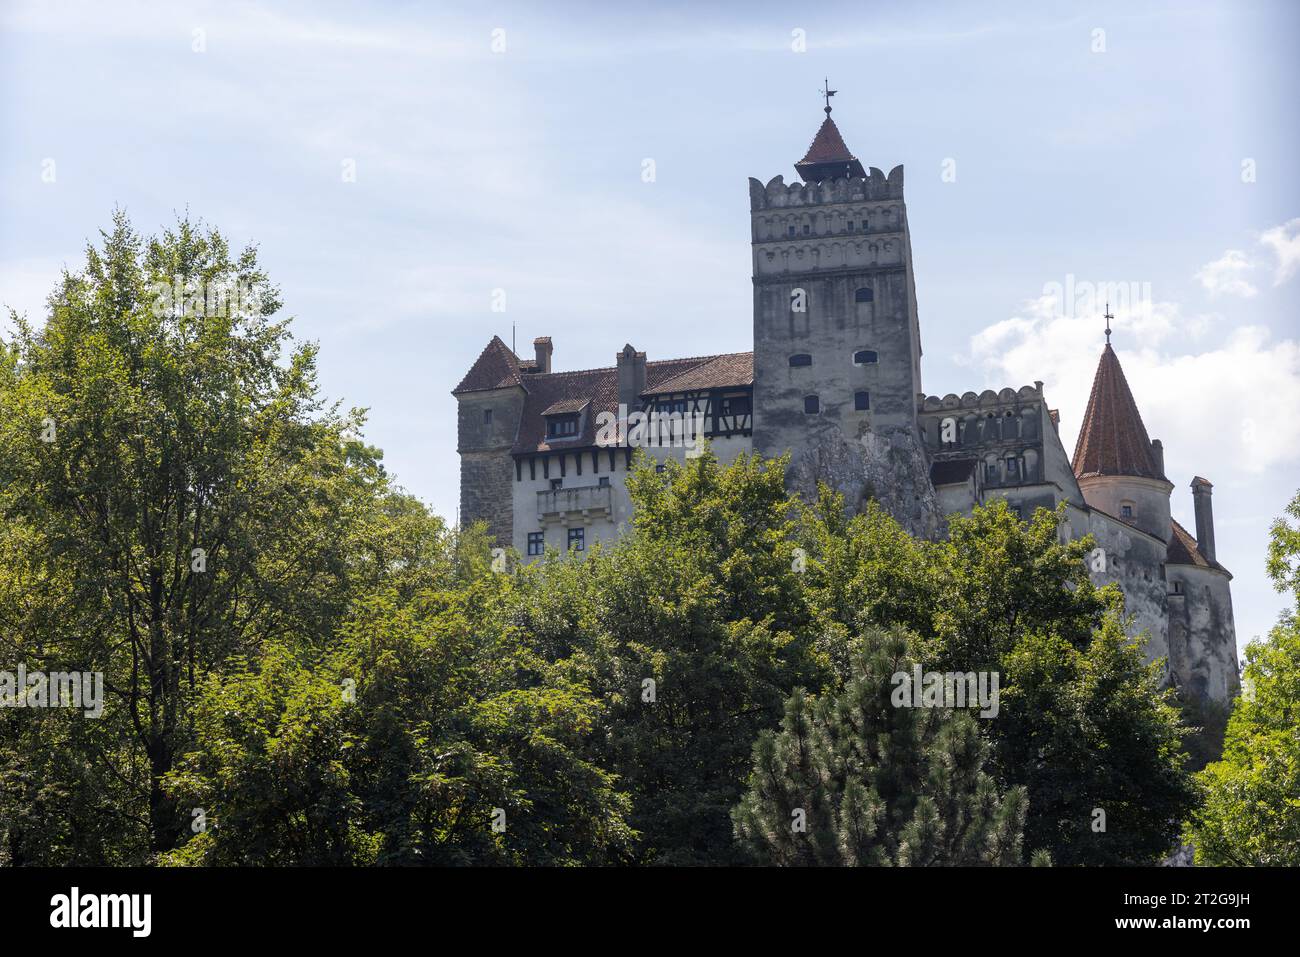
(837, 345)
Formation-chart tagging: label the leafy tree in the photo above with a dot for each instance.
(1250, 813)
(173, 494)
(852, 779)
(693, 630)
(1082, 723)
(430, 735)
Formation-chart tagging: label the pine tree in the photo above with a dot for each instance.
(850, 779)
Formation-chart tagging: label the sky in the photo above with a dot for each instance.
(419, 178)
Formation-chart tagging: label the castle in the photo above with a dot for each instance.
(834, 379)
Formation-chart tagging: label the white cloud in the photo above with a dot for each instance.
(1284, 240)
(1225, 276)
(1210, 408)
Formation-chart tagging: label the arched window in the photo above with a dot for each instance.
(865, 356)
(862, 401)
(864, 295)
(811, 405)
(800, 359)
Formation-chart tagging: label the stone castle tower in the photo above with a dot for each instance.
(837, 340)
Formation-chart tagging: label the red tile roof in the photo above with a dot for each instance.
(495, 368)
(1113, 440)
(828, 157)
(828, 146)
(1183, 550)
(599, 387)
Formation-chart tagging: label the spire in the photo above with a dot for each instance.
(828, 157)
(1113, 440)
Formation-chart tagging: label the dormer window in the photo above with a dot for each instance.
(562, 426)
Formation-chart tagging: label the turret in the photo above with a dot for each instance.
(1119, 469)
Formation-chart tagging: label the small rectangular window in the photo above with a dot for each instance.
(865, 357)
(990, 473)
(863, 295)
(487, 416)
(850, 225)
(536, 543)
(557, 484)
(1013, 467)
(604, 481)
(1126, 511)
(577, 539)
(862, 401)
(811, 405)
(790, 232)
(801, 359)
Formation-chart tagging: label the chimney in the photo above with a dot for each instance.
(631, 377)
(1201, 492)
(542, 347)
(1158, 453)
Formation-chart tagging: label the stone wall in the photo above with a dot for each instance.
(487, 470)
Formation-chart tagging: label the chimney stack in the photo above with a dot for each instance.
(1201, 492)
(631, 377)
(542, 347)
(1158, 453)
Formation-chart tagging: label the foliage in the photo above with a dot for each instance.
(850, 779)
(1250, 814)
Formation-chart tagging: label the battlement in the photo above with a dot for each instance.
(988, 399)
(778, 195)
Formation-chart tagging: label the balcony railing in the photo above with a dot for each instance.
(555, 504)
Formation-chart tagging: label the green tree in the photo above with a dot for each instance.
(1083, 723)
(432, 734)
(693, 629)
(173, 493)
(1250, 813)
(853, 779)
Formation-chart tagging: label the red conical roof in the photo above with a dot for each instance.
(828, 156)
(1113, 440)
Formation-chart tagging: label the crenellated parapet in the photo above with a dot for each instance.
(986, 400)
(777, 194)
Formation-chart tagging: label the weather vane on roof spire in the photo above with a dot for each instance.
(827, 92)
(1109, 317)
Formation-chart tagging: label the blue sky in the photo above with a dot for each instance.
(1160, 151)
